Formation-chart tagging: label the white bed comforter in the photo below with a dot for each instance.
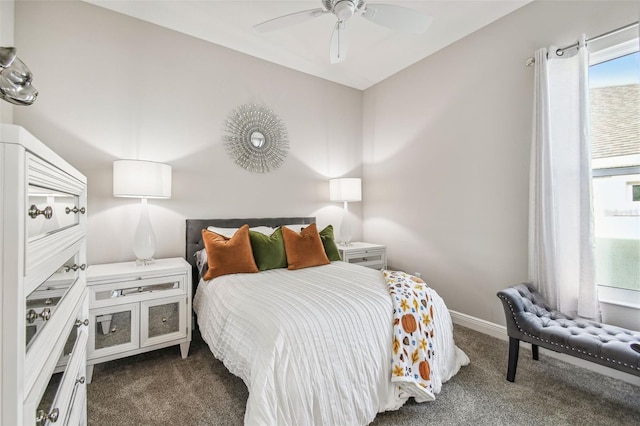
(313, 345)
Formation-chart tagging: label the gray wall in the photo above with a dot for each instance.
(113, 87)
(446, 153)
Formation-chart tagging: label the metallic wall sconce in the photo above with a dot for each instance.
(15, 79)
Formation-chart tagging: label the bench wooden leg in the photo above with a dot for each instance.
(514, 348)
(534, 351)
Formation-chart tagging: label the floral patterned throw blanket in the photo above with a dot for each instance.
(413, 330)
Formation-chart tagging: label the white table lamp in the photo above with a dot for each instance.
(142, 179)
(345, 190)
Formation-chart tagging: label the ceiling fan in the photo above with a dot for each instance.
(390, 16)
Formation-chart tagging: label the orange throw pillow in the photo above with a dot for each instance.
(304, 249)
(228, 255)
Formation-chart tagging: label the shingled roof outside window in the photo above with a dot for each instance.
(615, 121)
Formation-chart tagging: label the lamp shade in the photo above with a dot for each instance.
(141, 179)
(345, 189)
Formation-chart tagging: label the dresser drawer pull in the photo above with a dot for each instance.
(81, 323)
(75, 209)
(34, 212)
(42, 416)
(33, 315)
(75, 267)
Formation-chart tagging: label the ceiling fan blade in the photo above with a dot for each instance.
(287, 20)
(339, 43)
(397, 17)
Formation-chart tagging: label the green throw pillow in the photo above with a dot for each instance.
(268, 250)
(330, 247)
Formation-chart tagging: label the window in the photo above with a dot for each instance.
(614, 90)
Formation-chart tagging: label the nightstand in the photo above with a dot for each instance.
(365, 254)
(135, 309)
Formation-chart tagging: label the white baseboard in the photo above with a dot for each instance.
(477, 324)
(500, 332)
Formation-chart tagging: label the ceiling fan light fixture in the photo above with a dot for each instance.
(387, 15)
(344, 9)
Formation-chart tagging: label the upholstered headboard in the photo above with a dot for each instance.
(195, 227)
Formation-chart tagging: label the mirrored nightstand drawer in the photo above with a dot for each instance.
(162, 320)
(113, 330)
(138, 289)
(370, 258)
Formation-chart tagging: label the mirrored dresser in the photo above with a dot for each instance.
(138, 308)
(44, 298)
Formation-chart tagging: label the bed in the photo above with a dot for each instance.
(312, 345)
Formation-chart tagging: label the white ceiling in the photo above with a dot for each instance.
(375, 52)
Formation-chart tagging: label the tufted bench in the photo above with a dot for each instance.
(530, 319)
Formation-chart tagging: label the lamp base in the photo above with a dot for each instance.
(144, 241)
(145, 262)
(345, 227)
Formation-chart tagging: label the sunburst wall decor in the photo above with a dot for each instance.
(256, 138)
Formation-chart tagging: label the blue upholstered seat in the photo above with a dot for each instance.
(531, 320)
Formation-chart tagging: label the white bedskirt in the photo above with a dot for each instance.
(313, 345)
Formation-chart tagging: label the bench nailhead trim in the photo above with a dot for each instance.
(513, 314)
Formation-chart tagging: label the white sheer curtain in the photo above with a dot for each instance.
(561, 241)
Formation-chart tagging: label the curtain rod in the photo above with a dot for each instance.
(560, 51)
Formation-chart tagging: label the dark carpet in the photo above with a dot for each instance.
(161, 388)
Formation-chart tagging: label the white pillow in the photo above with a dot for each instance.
(201, 261)
(266, 230)
(228, 232)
